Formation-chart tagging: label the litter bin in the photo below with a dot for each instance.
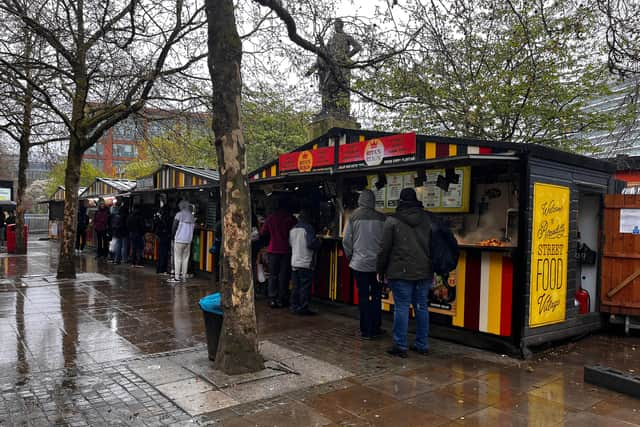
(212, 311)
(11, 237)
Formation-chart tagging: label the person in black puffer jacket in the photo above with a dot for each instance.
(406, 262)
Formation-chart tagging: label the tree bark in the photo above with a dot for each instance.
(66, 264)
(238, 348)
(23, 164)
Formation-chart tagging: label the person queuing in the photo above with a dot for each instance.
(405, 261)
(277, 227)
(362, 242)
(81, 230)
(135, 227)
(162, 229)
(183, 226)
(304, 245)
(120, 232)
(101, 221)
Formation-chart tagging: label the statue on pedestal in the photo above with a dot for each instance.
(334, 84)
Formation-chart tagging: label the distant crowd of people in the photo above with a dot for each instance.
(120, 236)
(380, 249)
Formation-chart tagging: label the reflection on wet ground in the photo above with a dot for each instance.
(65, 343)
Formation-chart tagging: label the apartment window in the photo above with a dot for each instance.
(125, 150)
(96, 149)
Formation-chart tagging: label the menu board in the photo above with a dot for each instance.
(388, 196)
(456, 199)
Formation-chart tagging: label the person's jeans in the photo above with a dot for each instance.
(301, 294)
(164, 246)
(369, 302)
(279, 266)
(137, 246)
(412, 292)
(181, 257)
(122, 249)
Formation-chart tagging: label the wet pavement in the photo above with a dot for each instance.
(75, 353)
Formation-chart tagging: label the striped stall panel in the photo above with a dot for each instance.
(436, 150)
(274, 171)
(487, 294)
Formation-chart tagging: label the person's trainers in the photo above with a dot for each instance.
(423, 351)
(173, 280)
(395, 351)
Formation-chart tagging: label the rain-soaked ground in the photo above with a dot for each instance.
(67, 349)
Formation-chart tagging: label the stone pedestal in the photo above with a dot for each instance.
(321, 125)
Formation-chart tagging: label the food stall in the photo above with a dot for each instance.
(172, 183)
(519, 212)
(56, 211)
(107, 189)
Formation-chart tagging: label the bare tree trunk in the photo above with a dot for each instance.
(238, 348)
(66, 265)
(23, 164)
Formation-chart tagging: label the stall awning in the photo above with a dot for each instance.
(173, 177)
(108, 187)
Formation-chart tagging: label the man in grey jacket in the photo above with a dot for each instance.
(362, 242)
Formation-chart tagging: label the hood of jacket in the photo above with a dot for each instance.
(367, 199)
(410, 213)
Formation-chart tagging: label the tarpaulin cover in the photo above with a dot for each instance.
(211, 304)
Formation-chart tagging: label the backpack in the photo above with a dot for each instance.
(443, 247)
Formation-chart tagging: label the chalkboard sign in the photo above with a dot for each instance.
(212, 214)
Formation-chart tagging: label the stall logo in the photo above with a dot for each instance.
(305, 161)
(374, 152)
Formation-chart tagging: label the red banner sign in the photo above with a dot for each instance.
(306, 161)
(377, 151)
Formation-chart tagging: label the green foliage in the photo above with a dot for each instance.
(271, 127)
(88, 174)
(485, 69)
(182, 145)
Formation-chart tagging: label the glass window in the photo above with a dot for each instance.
(125, 150)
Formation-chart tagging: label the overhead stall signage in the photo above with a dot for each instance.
(549, 253)
(378, 151)
(307, 160)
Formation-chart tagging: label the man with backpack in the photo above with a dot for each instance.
(405, 260)
(362, 242)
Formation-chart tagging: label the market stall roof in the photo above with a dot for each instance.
(364, 150)
(7, 204)
(108, 187)
(170, 176)
(58, 195)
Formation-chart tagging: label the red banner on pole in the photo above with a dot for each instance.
(307, 160)
(377, 151)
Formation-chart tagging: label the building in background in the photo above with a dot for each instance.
(624, 140)
(122, 144)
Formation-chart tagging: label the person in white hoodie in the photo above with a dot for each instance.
(183, 226)
(304, 244)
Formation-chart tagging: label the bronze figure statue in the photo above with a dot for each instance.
(334, 83)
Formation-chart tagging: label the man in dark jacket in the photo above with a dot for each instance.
(81, 231)
(135, 227)
(101, 221)
(362, 242)
(406, 262)
(162, 229)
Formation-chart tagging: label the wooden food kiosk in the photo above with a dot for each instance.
(524, 215)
